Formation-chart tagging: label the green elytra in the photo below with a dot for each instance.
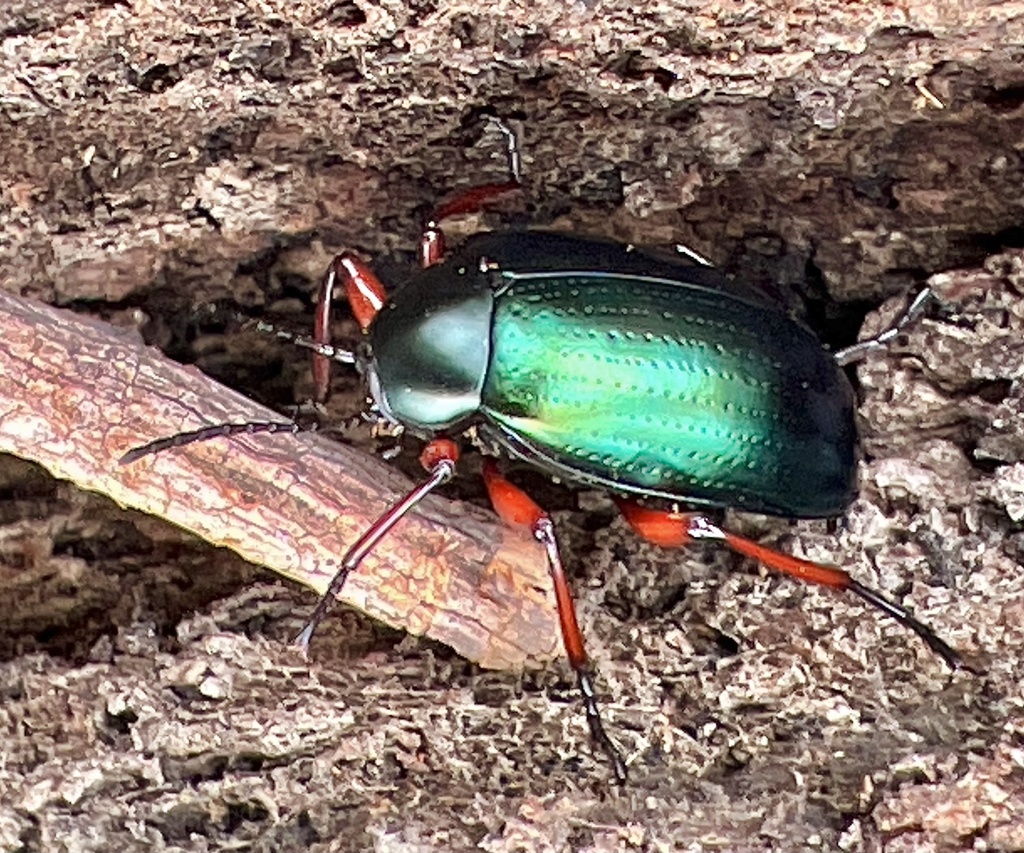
(670, 388)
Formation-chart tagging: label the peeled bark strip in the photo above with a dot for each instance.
(76, 393)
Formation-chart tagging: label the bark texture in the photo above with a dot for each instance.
(159, 158)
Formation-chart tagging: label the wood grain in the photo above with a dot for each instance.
(75, 394)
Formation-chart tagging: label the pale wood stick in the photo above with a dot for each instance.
(76, 393)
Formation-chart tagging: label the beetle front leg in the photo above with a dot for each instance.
(438, 458)
(674, 529)
(365, 295)
(516, 508)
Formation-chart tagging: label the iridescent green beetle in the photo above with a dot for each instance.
(607, 367)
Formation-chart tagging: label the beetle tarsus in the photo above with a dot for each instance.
(861, 350)
(901, 615)
(597, 732)
(305, 637)
(472, 199)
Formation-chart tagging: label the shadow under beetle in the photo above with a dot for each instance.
(607, 367)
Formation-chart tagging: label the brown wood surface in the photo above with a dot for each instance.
(76, 393)
(162, 155)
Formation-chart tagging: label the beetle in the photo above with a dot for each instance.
(657, 379)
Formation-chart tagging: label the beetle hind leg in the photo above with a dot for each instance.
(516, 508)
(674, 529)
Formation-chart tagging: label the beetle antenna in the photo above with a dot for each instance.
(343, 356)
(214, 431)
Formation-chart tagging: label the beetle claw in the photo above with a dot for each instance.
(305, 637)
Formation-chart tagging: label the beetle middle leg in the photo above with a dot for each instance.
(674, 529)
(438, 458)
(516, 508)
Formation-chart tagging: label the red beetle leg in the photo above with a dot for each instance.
(803, 570)
(673, 529)
(472, 200)
(666, 529)
(364, 291)
(365, 296)
(513, 505)
(438, 450)
(516, 508)
(432, 246)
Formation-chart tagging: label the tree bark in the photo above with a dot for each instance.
(162, 157)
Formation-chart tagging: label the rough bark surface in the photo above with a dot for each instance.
(159, 158)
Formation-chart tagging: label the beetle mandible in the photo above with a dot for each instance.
(608, 367)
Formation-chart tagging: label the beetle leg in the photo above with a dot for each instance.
(366, 297)
(861, 350)
(432, 244)
(438, 458)
(516, 508)
(673, 529)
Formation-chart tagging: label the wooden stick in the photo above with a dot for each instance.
(76, 393)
